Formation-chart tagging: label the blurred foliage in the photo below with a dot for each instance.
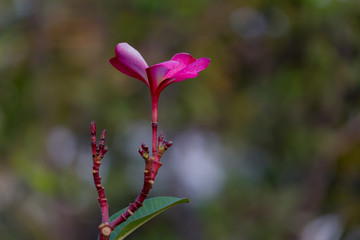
(282, 94)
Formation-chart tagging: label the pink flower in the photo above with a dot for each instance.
(181, 66)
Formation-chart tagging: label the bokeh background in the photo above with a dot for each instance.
(266, 140)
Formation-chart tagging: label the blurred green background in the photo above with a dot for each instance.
(266, 140)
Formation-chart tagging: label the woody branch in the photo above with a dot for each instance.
(152, 165)
(98, 152)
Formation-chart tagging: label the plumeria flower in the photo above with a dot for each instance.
(181, 66)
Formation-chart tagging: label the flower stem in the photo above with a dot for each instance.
(148, 180)
(152, 165)
(154, 123)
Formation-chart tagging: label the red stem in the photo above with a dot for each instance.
(152, 165)
(154, 123)
(148, 183)
(98, 153)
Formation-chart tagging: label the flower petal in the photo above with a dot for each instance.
(190, 71)
(184, 59)
(157, 72)
(130, 62)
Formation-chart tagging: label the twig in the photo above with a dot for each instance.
(98, 152)
(152, 165)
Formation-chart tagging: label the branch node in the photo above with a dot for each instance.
(139, 203)
(130, 212)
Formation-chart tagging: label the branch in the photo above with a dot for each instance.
(152, 165)
(98, 152)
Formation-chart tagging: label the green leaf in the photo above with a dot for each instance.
(151, 208)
